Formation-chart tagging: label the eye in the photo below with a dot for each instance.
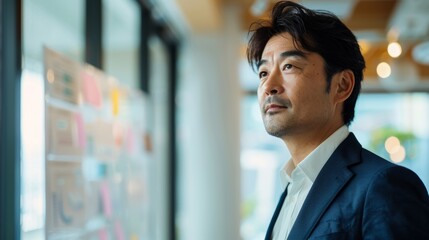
(287, 66)
(262, 74)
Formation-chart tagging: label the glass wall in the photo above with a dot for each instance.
(394, 126)
(57, 25)
(121, 39)
(60, 26)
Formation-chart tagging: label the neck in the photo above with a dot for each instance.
(300, 145)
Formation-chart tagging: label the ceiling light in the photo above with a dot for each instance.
(383, 70)
(394, 49)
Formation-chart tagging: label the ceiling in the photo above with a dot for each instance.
(375, 23)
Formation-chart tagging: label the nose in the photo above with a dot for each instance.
(274, 84)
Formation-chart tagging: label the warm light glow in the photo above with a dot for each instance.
(50, 76)
(383, 70)
(364, 46)
(394, 49)
(393, 35)
(392, 144)
(399, 155)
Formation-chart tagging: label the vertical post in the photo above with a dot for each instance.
(10, 127)
(145, 30)
(93, 33)
(173, 51)
(161, 30)
(210, 133)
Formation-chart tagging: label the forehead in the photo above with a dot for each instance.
(280, 42)
(282, 46)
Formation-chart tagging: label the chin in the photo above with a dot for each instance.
(275, 131)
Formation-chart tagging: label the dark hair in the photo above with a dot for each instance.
(316, 31)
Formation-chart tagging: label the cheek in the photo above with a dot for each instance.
(306, 98)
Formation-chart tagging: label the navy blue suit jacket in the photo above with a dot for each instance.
(358, 195)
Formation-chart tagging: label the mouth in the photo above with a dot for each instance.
(273, 108)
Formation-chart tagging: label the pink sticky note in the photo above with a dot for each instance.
(119, 231)
(130, 138)
(105, 198)
(80, 130)
(102, 234)
(91, 90)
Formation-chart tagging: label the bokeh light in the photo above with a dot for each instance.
(399, 155)
(395, 149)
(383, 70)
(394, 49)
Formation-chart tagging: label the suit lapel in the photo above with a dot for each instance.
(276, 215)
(331, 179)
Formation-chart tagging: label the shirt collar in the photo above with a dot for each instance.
(314, 162)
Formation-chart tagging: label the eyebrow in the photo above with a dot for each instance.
(296, 53)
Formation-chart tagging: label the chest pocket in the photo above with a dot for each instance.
(331, 229)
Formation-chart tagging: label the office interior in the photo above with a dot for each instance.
(163, 137)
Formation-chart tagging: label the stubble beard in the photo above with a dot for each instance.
(274, 127)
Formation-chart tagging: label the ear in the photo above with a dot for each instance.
(342, 85)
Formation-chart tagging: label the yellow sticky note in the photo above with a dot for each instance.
(115, 94)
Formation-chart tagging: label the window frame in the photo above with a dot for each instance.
(10, 131)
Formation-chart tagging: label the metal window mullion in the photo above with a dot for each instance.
(10, 122)
(145, 31)
(93, 33)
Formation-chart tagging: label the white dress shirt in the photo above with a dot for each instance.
(300, 180)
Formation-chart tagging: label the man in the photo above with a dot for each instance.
(310, 69)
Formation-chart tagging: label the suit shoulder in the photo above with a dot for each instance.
(375, 162)
(381, 168)
(373, 167)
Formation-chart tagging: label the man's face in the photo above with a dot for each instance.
(292, 90)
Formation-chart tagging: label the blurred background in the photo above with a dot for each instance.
(201, 165)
